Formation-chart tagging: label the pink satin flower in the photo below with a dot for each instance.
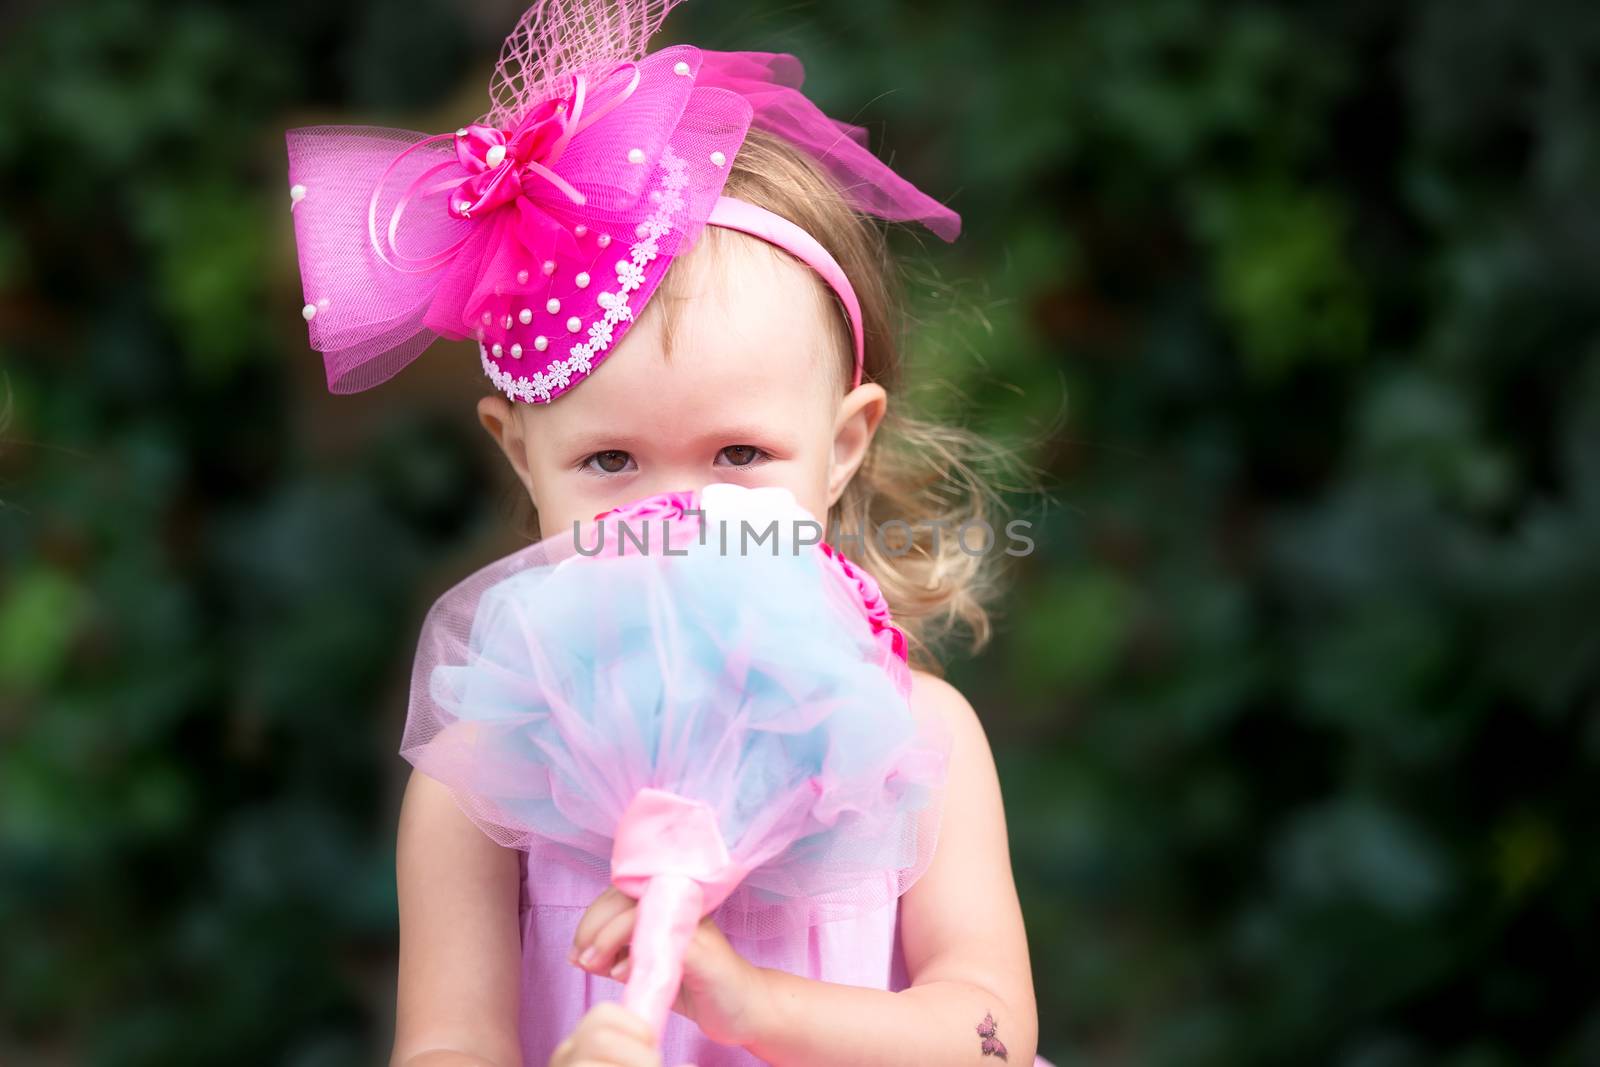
(660, 506)
(889, 636)
(500, 162)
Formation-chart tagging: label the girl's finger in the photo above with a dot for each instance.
(611, 1015)
(609, 940)
(605, 908)
(618, 1049)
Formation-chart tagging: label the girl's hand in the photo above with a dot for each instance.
(722, 992)
(609, 1036)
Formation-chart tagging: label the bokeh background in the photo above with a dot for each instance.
(1296, 705)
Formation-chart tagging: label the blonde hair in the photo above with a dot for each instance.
(930, 476)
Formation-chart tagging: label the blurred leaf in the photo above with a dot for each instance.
(1359, 849)
(39, 613)
(1284, 276)
(1073, 628)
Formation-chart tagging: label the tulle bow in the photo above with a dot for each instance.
(542, 229)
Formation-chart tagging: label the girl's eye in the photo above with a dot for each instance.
(611, 461)
(741, 455)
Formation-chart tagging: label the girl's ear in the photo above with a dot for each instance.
(860, 412)
(500, 419)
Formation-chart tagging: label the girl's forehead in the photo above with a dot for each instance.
(743, 331)
(732, 281)
(755, 378)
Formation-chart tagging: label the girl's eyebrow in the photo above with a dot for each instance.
(602, 441)
(606, 440)
(738, 433)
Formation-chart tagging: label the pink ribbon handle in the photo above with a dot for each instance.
(668, 854)
(669, 912)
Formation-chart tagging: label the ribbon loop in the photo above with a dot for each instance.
(501, 166)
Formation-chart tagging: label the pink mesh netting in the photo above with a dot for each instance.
(557, 38)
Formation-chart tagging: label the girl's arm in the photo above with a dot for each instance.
(459, 942)
(962, 935)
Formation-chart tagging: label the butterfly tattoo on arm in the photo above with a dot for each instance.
(991, 1043)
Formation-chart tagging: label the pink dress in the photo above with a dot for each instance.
(863, 951)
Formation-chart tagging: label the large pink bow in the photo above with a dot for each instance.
(545, 239)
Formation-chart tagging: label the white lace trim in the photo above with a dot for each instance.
(630, 275)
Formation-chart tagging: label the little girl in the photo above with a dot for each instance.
(666, 262)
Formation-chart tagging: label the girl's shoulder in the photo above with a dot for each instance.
(931, 695)
(929, 690)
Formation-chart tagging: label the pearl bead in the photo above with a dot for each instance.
(525, 316)
(308, 312)
(487, 318)
(496, 155)
(718, 159)
(635, 155)
(497, 350)
(582, 279)
(549, 267)
(552, 305)
(574, 324)
(522, 277)
(506, 322)
(580, 231)
(541, 342)
(462, 132)
(463, 206)
(681, 69)
(297, 193)
(516, 351)
(604, 240)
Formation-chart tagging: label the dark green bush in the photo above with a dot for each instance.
(1297, 705)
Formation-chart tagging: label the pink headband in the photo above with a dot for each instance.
(543, 229)
(775, 229)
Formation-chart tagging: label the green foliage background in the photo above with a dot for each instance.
(1297, 705)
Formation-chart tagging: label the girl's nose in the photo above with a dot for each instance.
(675, 481)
